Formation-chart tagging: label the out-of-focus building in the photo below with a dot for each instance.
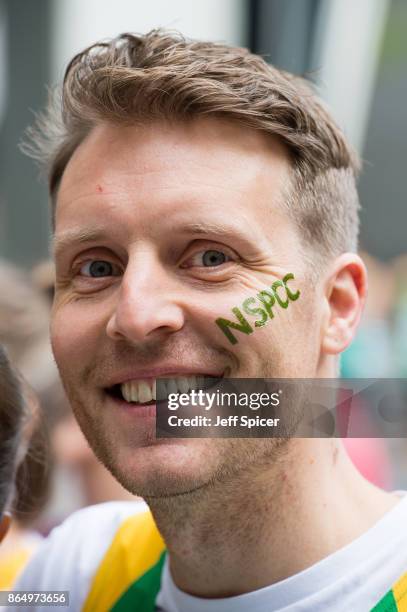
(355, 53)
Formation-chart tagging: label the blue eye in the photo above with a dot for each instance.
(210, 258)
(98, 269)
(213, 258)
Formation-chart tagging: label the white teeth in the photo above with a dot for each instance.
(126, 392)
(133, 392)
(143, 391)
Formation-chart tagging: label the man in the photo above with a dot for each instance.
(185, 178)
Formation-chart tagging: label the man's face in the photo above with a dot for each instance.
(160, 230)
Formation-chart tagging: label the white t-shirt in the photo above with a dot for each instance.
(353, 579)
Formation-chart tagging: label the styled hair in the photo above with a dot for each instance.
(12, 417)
(163, 76)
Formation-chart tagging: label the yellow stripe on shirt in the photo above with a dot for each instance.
(135, 548)
(11, 565)
(400, 593)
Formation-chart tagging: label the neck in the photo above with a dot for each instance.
(258, 528)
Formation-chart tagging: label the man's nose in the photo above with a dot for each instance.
(146, 306)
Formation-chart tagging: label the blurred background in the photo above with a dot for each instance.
(355, 53)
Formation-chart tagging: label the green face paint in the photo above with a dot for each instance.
(274, 287)
(255, 311)
(267, 299)
(244, 326)
(292, 296)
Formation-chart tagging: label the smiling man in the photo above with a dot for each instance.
(186, 178)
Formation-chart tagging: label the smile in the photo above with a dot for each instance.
(144, 391)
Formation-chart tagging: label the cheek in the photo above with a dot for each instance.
(263, 334)
(239, 321)
(75, 331)
(302, 335)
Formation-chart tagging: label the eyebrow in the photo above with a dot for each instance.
(75, 236)
(83, 235)
(221, 230)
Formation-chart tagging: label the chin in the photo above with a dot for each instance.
(165, 469)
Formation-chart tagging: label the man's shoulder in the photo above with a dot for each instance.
(99, 518)
(69, 557)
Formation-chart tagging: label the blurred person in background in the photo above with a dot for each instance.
(23, 471)
(32, 490)
(24, 327)
(12, 451)
(24, 333)
(12, 416)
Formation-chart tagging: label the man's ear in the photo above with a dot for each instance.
(345, 295)
(5, 522)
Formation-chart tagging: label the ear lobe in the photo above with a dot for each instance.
(5, 522)
(346, 295)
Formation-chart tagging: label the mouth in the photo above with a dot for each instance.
(143, 392)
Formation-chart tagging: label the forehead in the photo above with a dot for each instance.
(205, 165)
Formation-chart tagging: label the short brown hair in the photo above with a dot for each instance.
(161, 75)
